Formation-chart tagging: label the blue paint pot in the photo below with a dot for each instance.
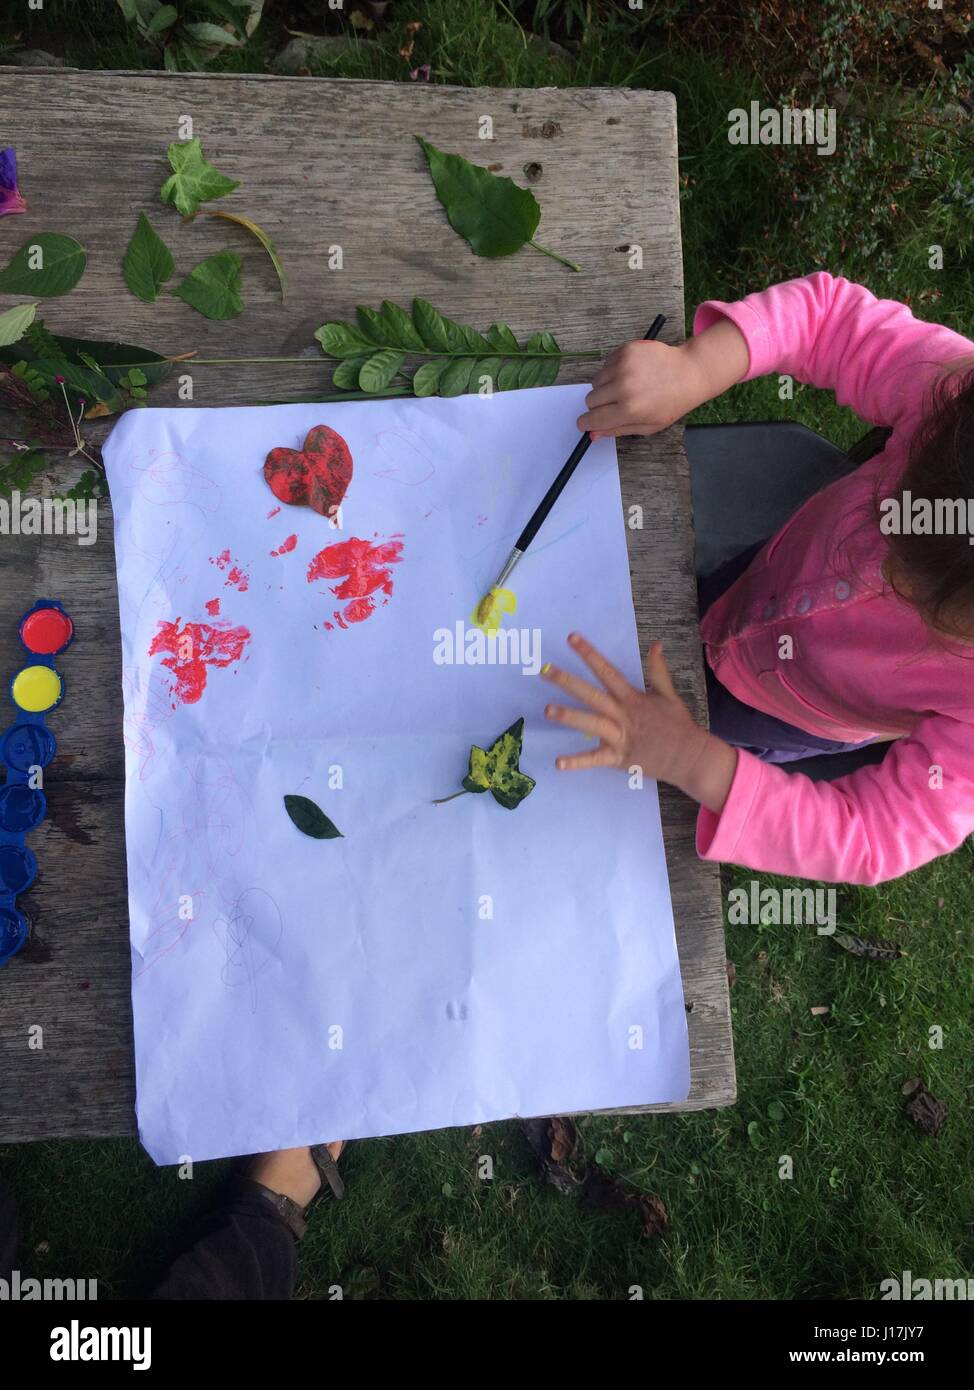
(27, 745)
(18, 868)
(22, 808)
(13, 932)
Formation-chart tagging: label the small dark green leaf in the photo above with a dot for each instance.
(426, 380)
(379, 369)
(474, 341)
(530, 372)
(47, 265)
(213, 287)
(501, 337)
(548, 343)
(311, 819)
(374, 327)
(484, 373)
(507, 377)
(547, 370)
(147, 264)
(164, 18)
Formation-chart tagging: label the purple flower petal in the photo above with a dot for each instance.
(11, 199)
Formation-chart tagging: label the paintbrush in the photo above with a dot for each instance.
(548, 501)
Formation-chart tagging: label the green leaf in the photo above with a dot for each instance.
(496, 770)
(371, 324)
(491, 213)
(433, 327)
(345, 375)
(264, 240)
(379, 369)
(311, 819)
(776, 1111)
(212, 34)
(51, 356)
(455, 377)
(213, 287)
(507, 377)
(501, 337)
(21, 470)
(400, 328)
(485, 367)
(15, 322)
(164, 18)
(147, 264)
(48, 264)
(427, 379)
(193, 180)
(474, 341)
(343, 340)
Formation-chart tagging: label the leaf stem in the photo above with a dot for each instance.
(319, 361)
(554, 256)
(462, 792)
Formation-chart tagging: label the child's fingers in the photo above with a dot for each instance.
(602, 393)
(598, 757)
(602, 418)
(595, 724)
(583, 691)
(613, 680)
(658, 672)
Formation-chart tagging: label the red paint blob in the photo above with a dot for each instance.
(46, 631)
(237, 576)
(213, 607)
(273, 512)
(366, 570)
(286, 546)
(192, 650)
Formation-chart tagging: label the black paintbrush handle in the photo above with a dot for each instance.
(568, 468)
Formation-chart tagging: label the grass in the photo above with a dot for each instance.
(870, 1196)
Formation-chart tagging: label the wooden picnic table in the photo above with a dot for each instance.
(321, 163)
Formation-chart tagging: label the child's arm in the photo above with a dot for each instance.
(651, 730)
(872, 826)
(643, 387)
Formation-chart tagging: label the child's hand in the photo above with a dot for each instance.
(644, 387)
(653, 731)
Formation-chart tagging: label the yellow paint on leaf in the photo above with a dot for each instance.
(490, 611)
(36, 688)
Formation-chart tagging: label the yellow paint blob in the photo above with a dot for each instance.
(36, 688)
(490, 611)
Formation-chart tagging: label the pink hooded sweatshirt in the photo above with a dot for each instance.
(860, 661)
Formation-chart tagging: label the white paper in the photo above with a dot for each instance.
(438, 965)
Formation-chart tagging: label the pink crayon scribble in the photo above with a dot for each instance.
(213, 607)
(286, 547)
(273, 512)
(237, 576)
(192, 650)
(365, 567)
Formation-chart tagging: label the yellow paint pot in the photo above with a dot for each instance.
(36, 689)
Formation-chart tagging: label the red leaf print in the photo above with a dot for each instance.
(316, 476)
(365, 567)
(192, 649)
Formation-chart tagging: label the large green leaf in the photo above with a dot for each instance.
(148, 263)
(489, 211)
(379, 369)
(311, 819)
(193, 180)
(48, 264)
(213, 287)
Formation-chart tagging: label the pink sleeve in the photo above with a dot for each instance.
(828, 332)
(871, 826)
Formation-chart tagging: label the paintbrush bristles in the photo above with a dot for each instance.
(484, 606)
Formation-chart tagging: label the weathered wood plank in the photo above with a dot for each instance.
(322, 163)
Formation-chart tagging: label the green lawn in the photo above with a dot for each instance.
(870, 1195)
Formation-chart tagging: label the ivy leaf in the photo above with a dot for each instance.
(48, 264)
(213, 287)
(379, 369)
(492, 213)
(193, 180)
(264, 240)
(148, 263)
(15, 322)
(311, 819)
(495, 769)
